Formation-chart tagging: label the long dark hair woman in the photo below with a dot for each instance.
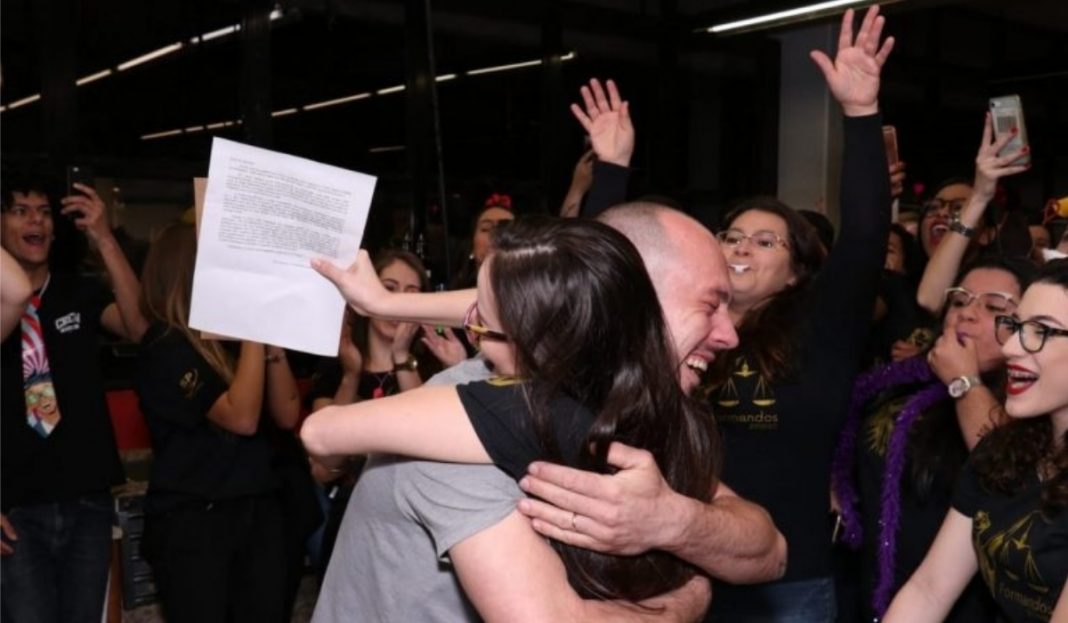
(1009, 521)
(213, 526)
(803, 321)
(911, 427)
(573, 370)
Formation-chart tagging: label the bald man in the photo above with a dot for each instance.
(388, 567)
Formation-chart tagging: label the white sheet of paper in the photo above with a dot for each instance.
(266, 214)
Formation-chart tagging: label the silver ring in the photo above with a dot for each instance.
(574, 516)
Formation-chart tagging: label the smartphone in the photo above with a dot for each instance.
(1007, 113)
(890, 141)
(79, 174)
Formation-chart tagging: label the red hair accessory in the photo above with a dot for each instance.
(499, 200)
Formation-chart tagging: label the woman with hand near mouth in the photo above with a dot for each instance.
(1009, 519)
(966, 223)
(908, 434)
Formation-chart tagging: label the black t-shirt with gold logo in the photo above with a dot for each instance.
(195, 460)
(1022, 555)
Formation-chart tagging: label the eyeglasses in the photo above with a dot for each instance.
(478, 332)
(937, 205)
(1033, 334)
(762, 239)
(993, 302)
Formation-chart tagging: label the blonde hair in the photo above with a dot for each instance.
(166, 292)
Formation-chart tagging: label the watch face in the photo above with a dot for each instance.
(958, 387)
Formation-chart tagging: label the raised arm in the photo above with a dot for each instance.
(511, 574)
(283, 398)
(123, 317)
(606, 119)
(634, 510)
(428, 423)
(935, 586)
(361, 289)
(15, 293)
(238, 410)
(943, 266)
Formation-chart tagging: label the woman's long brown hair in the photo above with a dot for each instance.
(167, 289)
(581, 311)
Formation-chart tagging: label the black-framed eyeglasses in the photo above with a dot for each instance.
(477, 332)
(993, 302)
(1033, 334)
(762, 239)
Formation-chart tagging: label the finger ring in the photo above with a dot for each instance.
(573, 517)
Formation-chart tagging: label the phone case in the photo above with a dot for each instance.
(1007, 113)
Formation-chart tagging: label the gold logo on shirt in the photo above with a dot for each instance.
(190, 382)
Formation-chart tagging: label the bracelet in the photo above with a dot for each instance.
(961, 229)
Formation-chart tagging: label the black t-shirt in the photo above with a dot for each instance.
(935, 454)
(80, 455)
(779, 437)
(1022, 555)
(195, 461)
(502, 419)
(372, 385)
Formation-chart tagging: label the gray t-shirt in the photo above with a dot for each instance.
(390, 560)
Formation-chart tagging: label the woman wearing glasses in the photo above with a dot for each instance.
(962, 227)
(1009, 519)
(802, 322)
(572, 370)
(910, 428)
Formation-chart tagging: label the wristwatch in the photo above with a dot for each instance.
(411, 364)
(960, 228)
(962, 385)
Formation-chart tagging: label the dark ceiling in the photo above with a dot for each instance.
(951, 56)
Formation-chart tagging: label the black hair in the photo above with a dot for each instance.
(575, 299)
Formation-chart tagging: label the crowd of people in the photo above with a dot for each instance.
(612, 414)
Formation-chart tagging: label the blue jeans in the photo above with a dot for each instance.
(59, 571)
(806, 601)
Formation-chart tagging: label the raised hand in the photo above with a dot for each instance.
(447, 347)
(989, 166)
(348, 353)
(358, 284)
(853, 76)
(90, 213)
(607, 121)
(402, 340)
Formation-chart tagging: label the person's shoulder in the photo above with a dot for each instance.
(160, 336)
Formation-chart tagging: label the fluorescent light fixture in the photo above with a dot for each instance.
(3, 108)
(335, 102)
(277, 13)
(221, 124)
(221, 32)
(445, 77)
(174, 47)
(194, 128)
(490, 70)
(148, 137)
(808, 9)
(388, 148)
(283, 113)
(388, 90)
(567, 57)
(93, 77)
(22, 102)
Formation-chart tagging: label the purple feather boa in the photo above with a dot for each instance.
(868, 386)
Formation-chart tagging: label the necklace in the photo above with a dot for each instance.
(381, 378)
